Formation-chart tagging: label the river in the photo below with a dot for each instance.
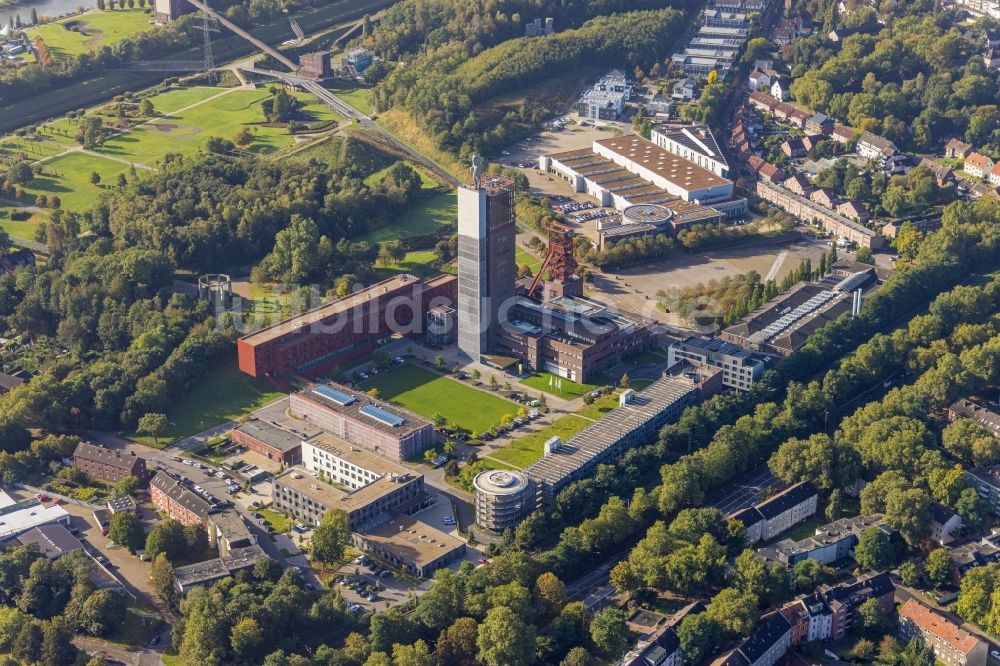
(51, 8)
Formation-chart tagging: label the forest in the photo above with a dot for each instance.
(917, 81)
(446, 85)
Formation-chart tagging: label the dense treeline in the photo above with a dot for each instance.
(895, 196)
(916, 82)
(210, 212)
(445, 85)
(628, 252)
(699, 236)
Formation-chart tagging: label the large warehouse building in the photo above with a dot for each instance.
(362, 421)
(624, 171)
(345, 329)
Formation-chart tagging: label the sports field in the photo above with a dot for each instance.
(225, 394)
(91, 30)
(526, 450)
(221, 116)
(524, 257)
(428, 217)
(427, 393)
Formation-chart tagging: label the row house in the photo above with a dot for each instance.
(828, 613)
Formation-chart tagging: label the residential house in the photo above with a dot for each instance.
(991, 58)
(945, 524)
(975, 554)
(942, 174)
(950, 643)
(956, 149)
(762, 101)
(824, 197)
(873, 147)
(662, 648)
(978, 165)
(173, 497)
(973, 408)
(819, 123)
(995, 174)
(853, 210)
(685, 89)
(111, 465)
(771, 517)
(793, 149)
(828, 613)
(759, 80)
(840, 34)
(780, 89)
(986, 481)
(769, 641)
(832, 542)
(798, 184)
(843, 134)
(811, 140)
(771, 173)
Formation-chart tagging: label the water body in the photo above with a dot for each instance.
(51, 8)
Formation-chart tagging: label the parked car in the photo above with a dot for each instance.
(199, 489)
(448, 520)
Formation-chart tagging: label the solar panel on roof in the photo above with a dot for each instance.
(338, 397)
(381, 415)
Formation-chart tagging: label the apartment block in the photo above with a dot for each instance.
(951, 644)
(109, 465)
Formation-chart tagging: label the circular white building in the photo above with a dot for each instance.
(503, 497)
(647, 214)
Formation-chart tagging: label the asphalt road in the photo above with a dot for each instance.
(745, 491)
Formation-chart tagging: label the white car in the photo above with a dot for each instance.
(199, 489)
(187, 462)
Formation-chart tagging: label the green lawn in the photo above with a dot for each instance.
(417, 262)
(600, 407)
(427, 217)
(428, 393)
(426, 182)
(566, 389)
(276, 522)
(24, 229)
(68, 177)
(176, 99)
(356, 97)
(91, 30)
(225, 394)
(34, 149)
(526, 450)
(223, 116)
(524, 257)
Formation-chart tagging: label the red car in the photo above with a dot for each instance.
(59, 500)
(42, 498)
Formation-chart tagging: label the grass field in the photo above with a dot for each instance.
(356, 97)
(225, 394)
(426, 182)
(68, 177)
(176, 99)
(428, 393)
(19, 228)
(524, 257)
(417, 262)
(91, 31)
(526, 450)
(190, 130)
(560, 387)
(429, 216)
(599, 408)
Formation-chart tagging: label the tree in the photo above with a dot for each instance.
(417, 654)
(127, 486)
(146, 107)
(102, 611)
(609, 631)
(34, 16)
(973, 509)
(331, 536)
(872, 617)
(912, 573)
(456, 645)
(938, 567)
(625, 382)
(161, 579)
(443, 603)
(126, 530)
(908, 512)
(733, 611)
(916, 654)
(505, 639)
(809, 574)
(833, 507)
(550, 593)
(95, 178)
(153, 424)
(28, 644)
(167, 538)
(697, 635)
(578, 656)
(57, 646)
(874, 550)
(246, 639)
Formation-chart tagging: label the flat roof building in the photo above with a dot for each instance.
(16, 518)
(363, 421)
(228, 532)
(203, 574)
(739, 368)
(503, 498)
(831, 542)
(416, 547)
(696, 144)
(269, 440)
(632, 423)
(298, 493)
(344, 329)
